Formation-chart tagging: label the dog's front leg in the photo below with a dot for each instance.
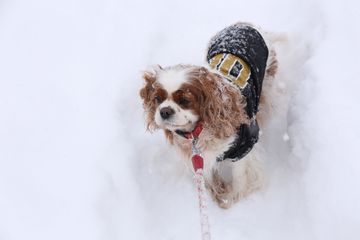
(232, 181)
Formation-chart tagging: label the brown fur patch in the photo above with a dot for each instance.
(272, 66)
(221, 104)
(169, 136)
(149, 104)
(221, 191)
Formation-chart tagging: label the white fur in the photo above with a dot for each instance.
(172, 79)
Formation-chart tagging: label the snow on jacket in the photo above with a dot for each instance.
(239, 53)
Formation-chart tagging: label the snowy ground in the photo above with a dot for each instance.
(76, 162)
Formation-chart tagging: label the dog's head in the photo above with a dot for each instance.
(177, 98)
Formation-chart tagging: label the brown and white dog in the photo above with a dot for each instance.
(226, 99)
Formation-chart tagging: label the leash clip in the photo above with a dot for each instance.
(195, 150)
(196, 158)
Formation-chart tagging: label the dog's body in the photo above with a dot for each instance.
(229, 99)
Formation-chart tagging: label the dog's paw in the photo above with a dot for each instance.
(224, 202)
(221, 192)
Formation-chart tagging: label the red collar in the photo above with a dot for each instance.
(193, 134)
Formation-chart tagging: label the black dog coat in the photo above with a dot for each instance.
(239, 54)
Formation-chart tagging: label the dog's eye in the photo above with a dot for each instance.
(158, 99)
(183, 101)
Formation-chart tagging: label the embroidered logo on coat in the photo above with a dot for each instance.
(231, 67)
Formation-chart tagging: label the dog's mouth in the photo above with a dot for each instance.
(185, 131)
(182, 133)
(193, 132)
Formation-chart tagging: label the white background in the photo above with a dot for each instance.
(77, 163)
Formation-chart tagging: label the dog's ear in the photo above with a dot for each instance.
(222, 105)
(150, 79)
(147, 95)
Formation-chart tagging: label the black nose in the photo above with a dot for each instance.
(166, 112)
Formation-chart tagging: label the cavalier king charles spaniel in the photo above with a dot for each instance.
(228, 98)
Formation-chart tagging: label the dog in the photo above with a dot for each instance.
(228, 98)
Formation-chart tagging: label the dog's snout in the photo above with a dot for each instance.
(166, 112)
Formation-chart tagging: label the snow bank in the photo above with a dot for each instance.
(76, 162)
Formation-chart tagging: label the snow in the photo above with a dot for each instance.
(77, 163)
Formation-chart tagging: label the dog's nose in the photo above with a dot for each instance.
(166, 112)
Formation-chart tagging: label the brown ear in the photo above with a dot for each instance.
(150, 79)
(147, 95)
(223, 105)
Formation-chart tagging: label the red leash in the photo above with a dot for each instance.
(198, 164)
